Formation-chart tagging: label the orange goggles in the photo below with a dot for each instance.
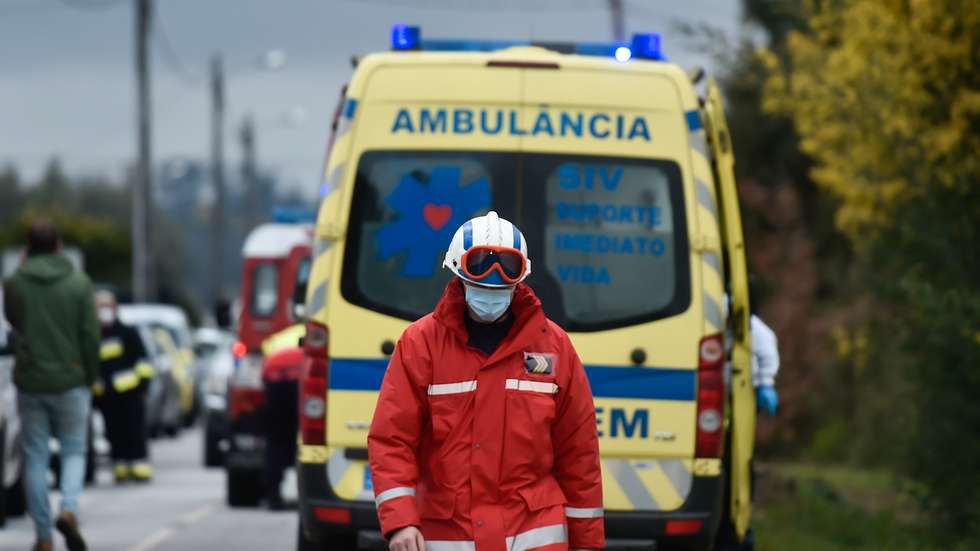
(494, 265)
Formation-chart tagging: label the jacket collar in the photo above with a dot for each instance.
(529, 326)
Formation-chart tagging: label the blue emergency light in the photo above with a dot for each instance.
(643, 46)
(406, 37)
(647, 46)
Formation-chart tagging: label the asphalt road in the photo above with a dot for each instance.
(182, 509)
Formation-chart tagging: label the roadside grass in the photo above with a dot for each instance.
(802, 507)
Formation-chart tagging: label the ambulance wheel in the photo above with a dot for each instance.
(726, 538)
(243, 488)
(304, 544)
(729, 542)
(335, 543)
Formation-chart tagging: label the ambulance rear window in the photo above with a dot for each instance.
(265, 289)
(607, 236)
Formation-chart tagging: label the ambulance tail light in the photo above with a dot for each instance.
(313, 385)
(683, 527)
(711, 397)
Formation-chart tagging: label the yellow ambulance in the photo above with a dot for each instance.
(620, 177)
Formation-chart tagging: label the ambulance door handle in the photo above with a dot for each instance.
(388, 347)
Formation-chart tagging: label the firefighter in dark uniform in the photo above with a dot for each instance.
(123, 378)
(280, 380)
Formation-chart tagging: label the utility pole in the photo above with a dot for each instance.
(217, 177)
(618, 20)
(249, 175)
(142, 184)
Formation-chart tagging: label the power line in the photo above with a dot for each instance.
(32, 7)
(171, 58)
(93, 5)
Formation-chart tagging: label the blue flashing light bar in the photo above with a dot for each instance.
(643, 46)
(406, 37)
(470, 45)
(293, 215)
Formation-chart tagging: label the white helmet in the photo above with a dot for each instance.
(487, 231)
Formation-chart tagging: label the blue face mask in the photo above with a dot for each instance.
(488, 305)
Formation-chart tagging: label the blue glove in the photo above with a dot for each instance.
(767, 398)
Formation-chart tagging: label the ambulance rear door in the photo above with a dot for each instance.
(742, 396)
(617, 223)
(408, 167)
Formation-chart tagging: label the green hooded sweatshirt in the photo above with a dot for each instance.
(52, 310)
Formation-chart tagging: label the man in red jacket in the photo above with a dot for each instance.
(484, 437)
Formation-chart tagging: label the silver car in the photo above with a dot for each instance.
(11, 455)
(214, 352)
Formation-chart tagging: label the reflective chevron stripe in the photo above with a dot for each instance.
(646, 485)
(347, 476)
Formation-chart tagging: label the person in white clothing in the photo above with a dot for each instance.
(765, 365)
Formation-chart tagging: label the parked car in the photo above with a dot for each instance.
(216, 361)
(182, 370)
(167, 338)
(11, 457)
(163, 394)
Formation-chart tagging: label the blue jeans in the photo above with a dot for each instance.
(66, 416)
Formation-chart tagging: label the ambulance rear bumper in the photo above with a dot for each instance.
(644, 530)
(640, 530)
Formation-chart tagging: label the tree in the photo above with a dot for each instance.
(885, 96)
(9, 192)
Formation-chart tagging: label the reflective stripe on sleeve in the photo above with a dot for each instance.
(452, 388)
(392, 493)
(144, 370)
(110, 349)
(531, 386)
(583, 512)
(124, 381)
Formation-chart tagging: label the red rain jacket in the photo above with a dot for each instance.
(488, 453)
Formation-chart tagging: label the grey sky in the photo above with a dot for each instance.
(66, 74)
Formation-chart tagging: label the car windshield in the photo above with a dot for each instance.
(606, 236)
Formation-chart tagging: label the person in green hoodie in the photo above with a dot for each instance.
(52, 311)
